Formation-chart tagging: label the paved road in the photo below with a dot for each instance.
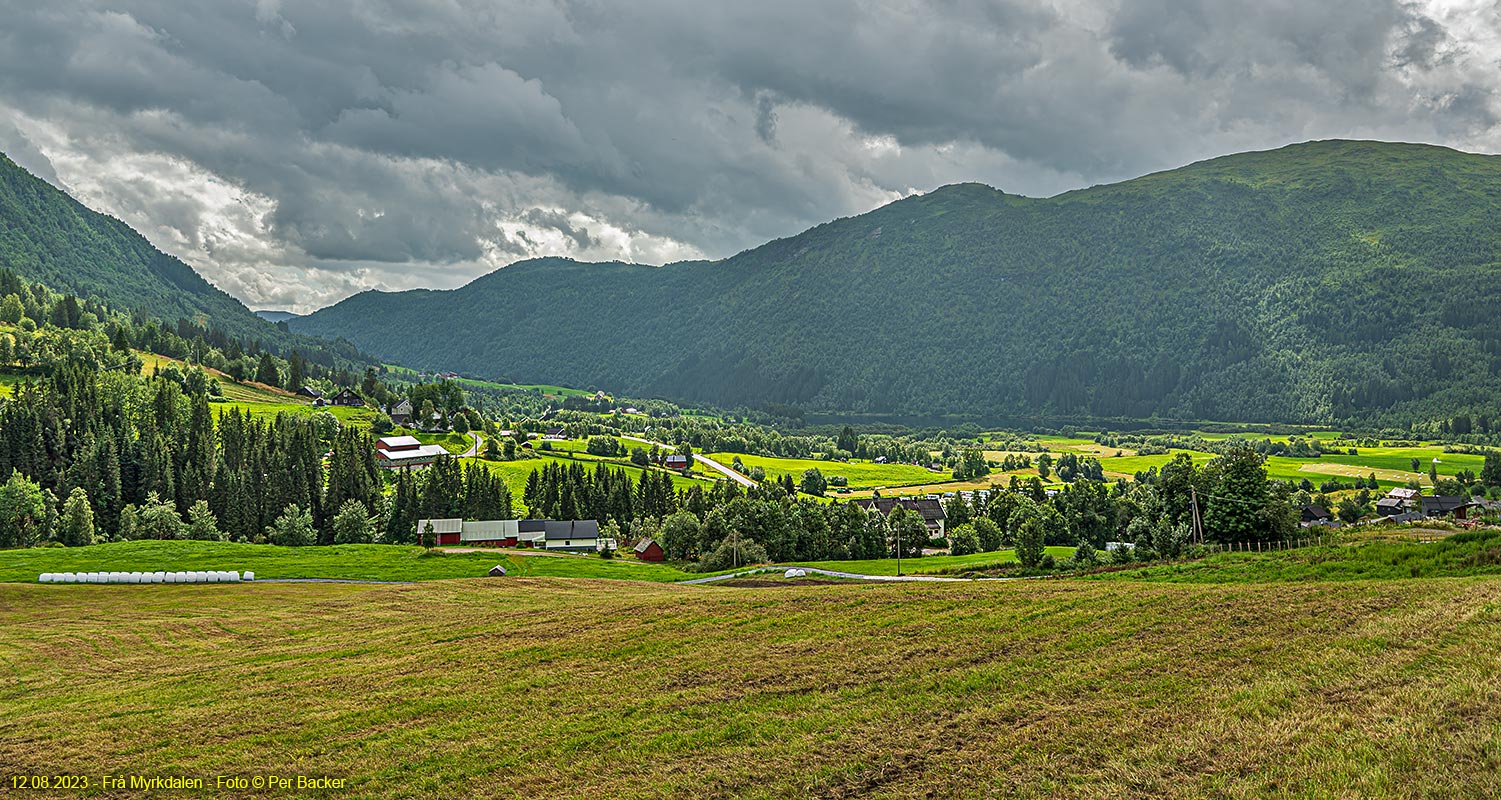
(473, 451)
(832, 574)
(708, 462)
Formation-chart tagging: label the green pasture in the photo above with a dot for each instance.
(861, 474)
(543, 687)
(377, 562)
(1462, 554)
(928, 565)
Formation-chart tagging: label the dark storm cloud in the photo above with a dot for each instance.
(297, 152)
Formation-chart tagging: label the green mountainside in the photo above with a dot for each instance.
(1327, 281)
(48, 237)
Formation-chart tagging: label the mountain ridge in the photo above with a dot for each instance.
(46, 235)
(1257, 286)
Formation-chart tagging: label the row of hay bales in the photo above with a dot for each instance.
(211, 576)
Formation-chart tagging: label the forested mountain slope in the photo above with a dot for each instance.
(49, 237)
(1327, 281)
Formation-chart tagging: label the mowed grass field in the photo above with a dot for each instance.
(372, 562)
(573, 688)
(928, 565)
(1391, 465)
(861, 474)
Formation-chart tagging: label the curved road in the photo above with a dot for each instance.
(708, 462)
(473, 451)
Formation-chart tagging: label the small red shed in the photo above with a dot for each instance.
(649, 550)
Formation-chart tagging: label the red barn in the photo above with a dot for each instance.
(445, 531)
(676, 461)
(649, 550)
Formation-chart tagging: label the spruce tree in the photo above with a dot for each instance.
(76, 528)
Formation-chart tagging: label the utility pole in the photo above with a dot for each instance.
(898, 549)
(1193, 493)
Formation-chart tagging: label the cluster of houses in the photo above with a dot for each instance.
(567, 536)
(1403, 504)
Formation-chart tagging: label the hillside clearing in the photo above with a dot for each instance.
(540, 687)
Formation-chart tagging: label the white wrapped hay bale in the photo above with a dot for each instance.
(234, 577)
(45, 577)
(249, 576)
(158, 577)
(69, 577)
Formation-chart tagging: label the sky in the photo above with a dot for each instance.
(296, 153)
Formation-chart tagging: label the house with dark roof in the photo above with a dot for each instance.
(1391, 506)
(1315, 515)
(675, 461)
(1445, 506)
(571, 536)
(401, 412)
(309, 392)
(930, 509)
(347, 397)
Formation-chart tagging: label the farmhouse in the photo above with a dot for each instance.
(401, 412)
(1391, 506)
(649, 550)
(531, 532)
(575, 536)
(1443, 506)
(930, 509)
(405, 452)
(309, 392)
(348, 397)
(676, 461)
(1316, 515)
(1404, 494)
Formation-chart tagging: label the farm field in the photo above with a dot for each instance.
(927, 565)
(544, 687)
(1128, 466)
(861, 474)
(375, 562)
(951, 485)
(552, 391)
(359, 417)
(247, 392)
(455, 443)
(1460, 554)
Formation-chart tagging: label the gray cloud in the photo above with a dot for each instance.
(299, 152)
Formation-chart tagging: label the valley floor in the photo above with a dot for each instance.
(548, 687)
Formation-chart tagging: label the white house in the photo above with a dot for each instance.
(576, 536)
